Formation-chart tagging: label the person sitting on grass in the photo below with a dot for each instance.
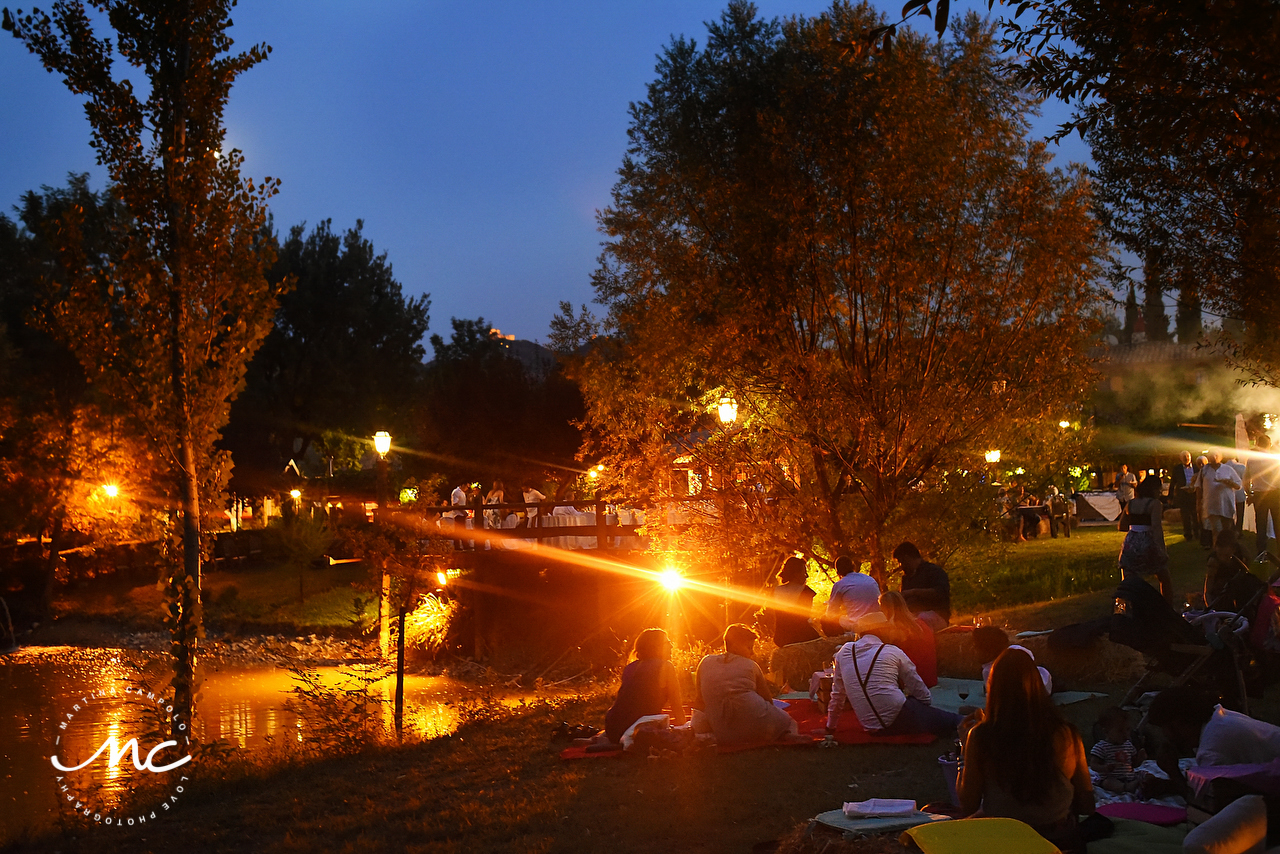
(1024, 760)
(649, 685)
(794, 602)
(911, 635)
(1227, 563)
(925, 586)
(1193, 725)
(1113, 758)
(990, 641)
(853, 596)
(883, 687)
(734, 696)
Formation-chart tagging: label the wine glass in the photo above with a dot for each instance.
(963, 691)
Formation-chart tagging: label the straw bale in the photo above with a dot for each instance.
(1103, 662)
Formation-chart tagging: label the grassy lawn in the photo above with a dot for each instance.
(498, 785)
(1049, 582)
(266, 596)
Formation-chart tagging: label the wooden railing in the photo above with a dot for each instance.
(602, 531)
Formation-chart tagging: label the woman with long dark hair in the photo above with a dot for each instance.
(1023, 760)
(1143, 552)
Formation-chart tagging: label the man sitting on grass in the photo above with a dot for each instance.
(925, 586)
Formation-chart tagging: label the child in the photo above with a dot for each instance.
(990, 641)
(1113, 758)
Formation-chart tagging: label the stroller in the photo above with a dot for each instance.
(1209, 649)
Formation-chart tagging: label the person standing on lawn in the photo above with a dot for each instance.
(793, 600)
(925, 586)
(1220, 486)
(1125, 483)
(1262, 480)
(1183, 495)
(1143, 551)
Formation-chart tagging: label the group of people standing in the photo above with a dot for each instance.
(471, 499)
(1211, 493)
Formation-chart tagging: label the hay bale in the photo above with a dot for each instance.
(794, 664)
(1103, 662)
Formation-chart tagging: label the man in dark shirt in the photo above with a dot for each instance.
(925, 586)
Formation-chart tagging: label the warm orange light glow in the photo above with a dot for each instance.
(295, 493)
(671, 579)
(382, 442)
(728, 410)
(1064, 424)
(993, 456)
(111, 490)
(442, 579)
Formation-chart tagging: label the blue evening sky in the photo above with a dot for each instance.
(476, 140)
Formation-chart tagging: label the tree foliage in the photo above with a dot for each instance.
(170, 323)
(487, 413)
(864, 251)
(343, 360)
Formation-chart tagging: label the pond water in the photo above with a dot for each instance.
(44, 713)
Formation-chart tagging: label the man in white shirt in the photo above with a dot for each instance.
(531, 497)
(1220, 485)
(1239, 468)
(1125, 482)
(853, 596)
(882, 685)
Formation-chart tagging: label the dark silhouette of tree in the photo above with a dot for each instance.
(887, 286)
(1154, 319)
(173, 320)
(1131, 315)
(344, 358)
(486, 413)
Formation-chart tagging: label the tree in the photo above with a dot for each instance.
(344, 358)
(171, 323)
(887, 286)
(487, 413)
(1154, 319)
(60, 440)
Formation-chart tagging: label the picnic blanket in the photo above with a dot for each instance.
(812, 719)
(1139, 837)
(855, 827)
(946, 694)
(989, 835)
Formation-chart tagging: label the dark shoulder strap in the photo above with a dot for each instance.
(863, 681)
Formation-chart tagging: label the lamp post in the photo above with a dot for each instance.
(382, 444)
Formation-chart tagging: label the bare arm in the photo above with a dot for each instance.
(837, 699)
(972, 777)
(673, 699)
(1075, 766)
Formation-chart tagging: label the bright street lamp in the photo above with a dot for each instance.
(993, 456)
(1064, 424)
(728, 410)
(111, 490)
(382, 442)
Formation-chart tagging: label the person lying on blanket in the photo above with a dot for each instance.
(734, 696)
(883, 686)
(1194, 725)
(649, 685)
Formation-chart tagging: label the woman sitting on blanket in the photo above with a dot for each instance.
(1023, 760)
(649, 685)
(734, 696)
(883, 686)
(912, 635)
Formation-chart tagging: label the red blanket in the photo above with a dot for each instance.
(813, 719)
